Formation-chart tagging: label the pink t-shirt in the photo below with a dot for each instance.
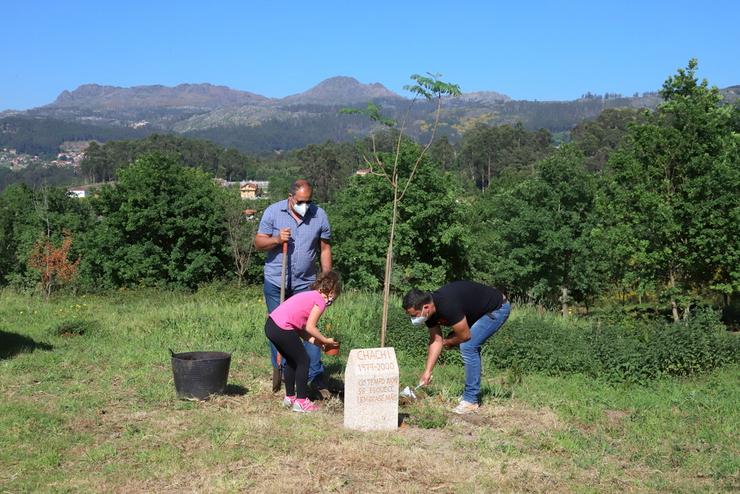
(293, 313)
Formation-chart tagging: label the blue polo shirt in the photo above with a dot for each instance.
(303, 248)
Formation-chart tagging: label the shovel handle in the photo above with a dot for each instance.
(282, 273)
(282, 286)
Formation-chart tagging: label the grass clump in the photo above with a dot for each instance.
(74, 327)
(426, 415)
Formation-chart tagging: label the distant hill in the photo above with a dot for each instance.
(340, 90)
(483, 97)
(95, 97)
(255, 123)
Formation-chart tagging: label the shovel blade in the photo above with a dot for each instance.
(276, 379)
(407, 392)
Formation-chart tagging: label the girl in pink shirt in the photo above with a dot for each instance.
(294, 319)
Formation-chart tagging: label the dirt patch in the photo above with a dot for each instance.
(615, 417)
(512, 418)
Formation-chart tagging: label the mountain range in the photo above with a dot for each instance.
(256, 123)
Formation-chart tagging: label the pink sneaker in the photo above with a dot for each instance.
(288, 401)
(304, 405)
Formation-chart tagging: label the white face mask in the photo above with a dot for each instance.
(300, 209)
(420, 319)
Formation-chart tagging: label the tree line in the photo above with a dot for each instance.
(641, 204)
(43, 136)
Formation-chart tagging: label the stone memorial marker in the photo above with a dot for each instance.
(371, 390)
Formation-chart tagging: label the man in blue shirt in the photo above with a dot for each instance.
(305, 228)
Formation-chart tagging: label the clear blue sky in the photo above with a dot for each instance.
(547, 50)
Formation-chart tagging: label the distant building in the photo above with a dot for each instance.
(253, 189)
(250, 190)
(264, 185)
(363, 171)
(81, 191)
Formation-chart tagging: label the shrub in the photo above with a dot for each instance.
(540, 343)
(630, 352)
(408, 340)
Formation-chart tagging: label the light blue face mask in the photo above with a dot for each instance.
(419, 320)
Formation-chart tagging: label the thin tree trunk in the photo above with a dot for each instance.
(564, 300)
(674, 310)
(488, 179)
(674, 305)
(388, 268)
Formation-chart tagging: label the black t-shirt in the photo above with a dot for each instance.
(460, 299)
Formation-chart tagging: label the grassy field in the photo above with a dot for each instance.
(88, 405)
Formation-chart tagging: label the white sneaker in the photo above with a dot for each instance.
(288, 401)
(465, 407)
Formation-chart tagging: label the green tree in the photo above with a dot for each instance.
(536, 232)
(430, 241)
(671, 195)
(16, 230)
(240, 230)
(443, 153)
(102, 162)
(327, 166)
(485, 151)
(599, 138)
(28, 217)
(162, 224)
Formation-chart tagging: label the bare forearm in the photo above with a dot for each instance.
(326, 259)
(265, 242)
(435, 349)
(460, 334)
(319, 339)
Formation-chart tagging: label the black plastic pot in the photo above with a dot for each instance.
(200, 374)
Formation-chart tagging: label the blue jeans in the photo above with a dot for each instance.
(315, 367)
(483, 329)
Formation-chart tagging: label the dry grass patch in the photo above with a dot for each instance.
(262, 447)
(513, 417)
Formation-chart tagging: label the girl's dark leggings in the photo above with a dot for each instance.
(290, 346)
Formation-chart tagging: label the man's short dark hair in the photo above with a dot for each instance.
(298, 185)
(416, 299)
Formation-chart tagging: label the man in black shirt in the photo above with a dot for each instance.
(474, 312)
